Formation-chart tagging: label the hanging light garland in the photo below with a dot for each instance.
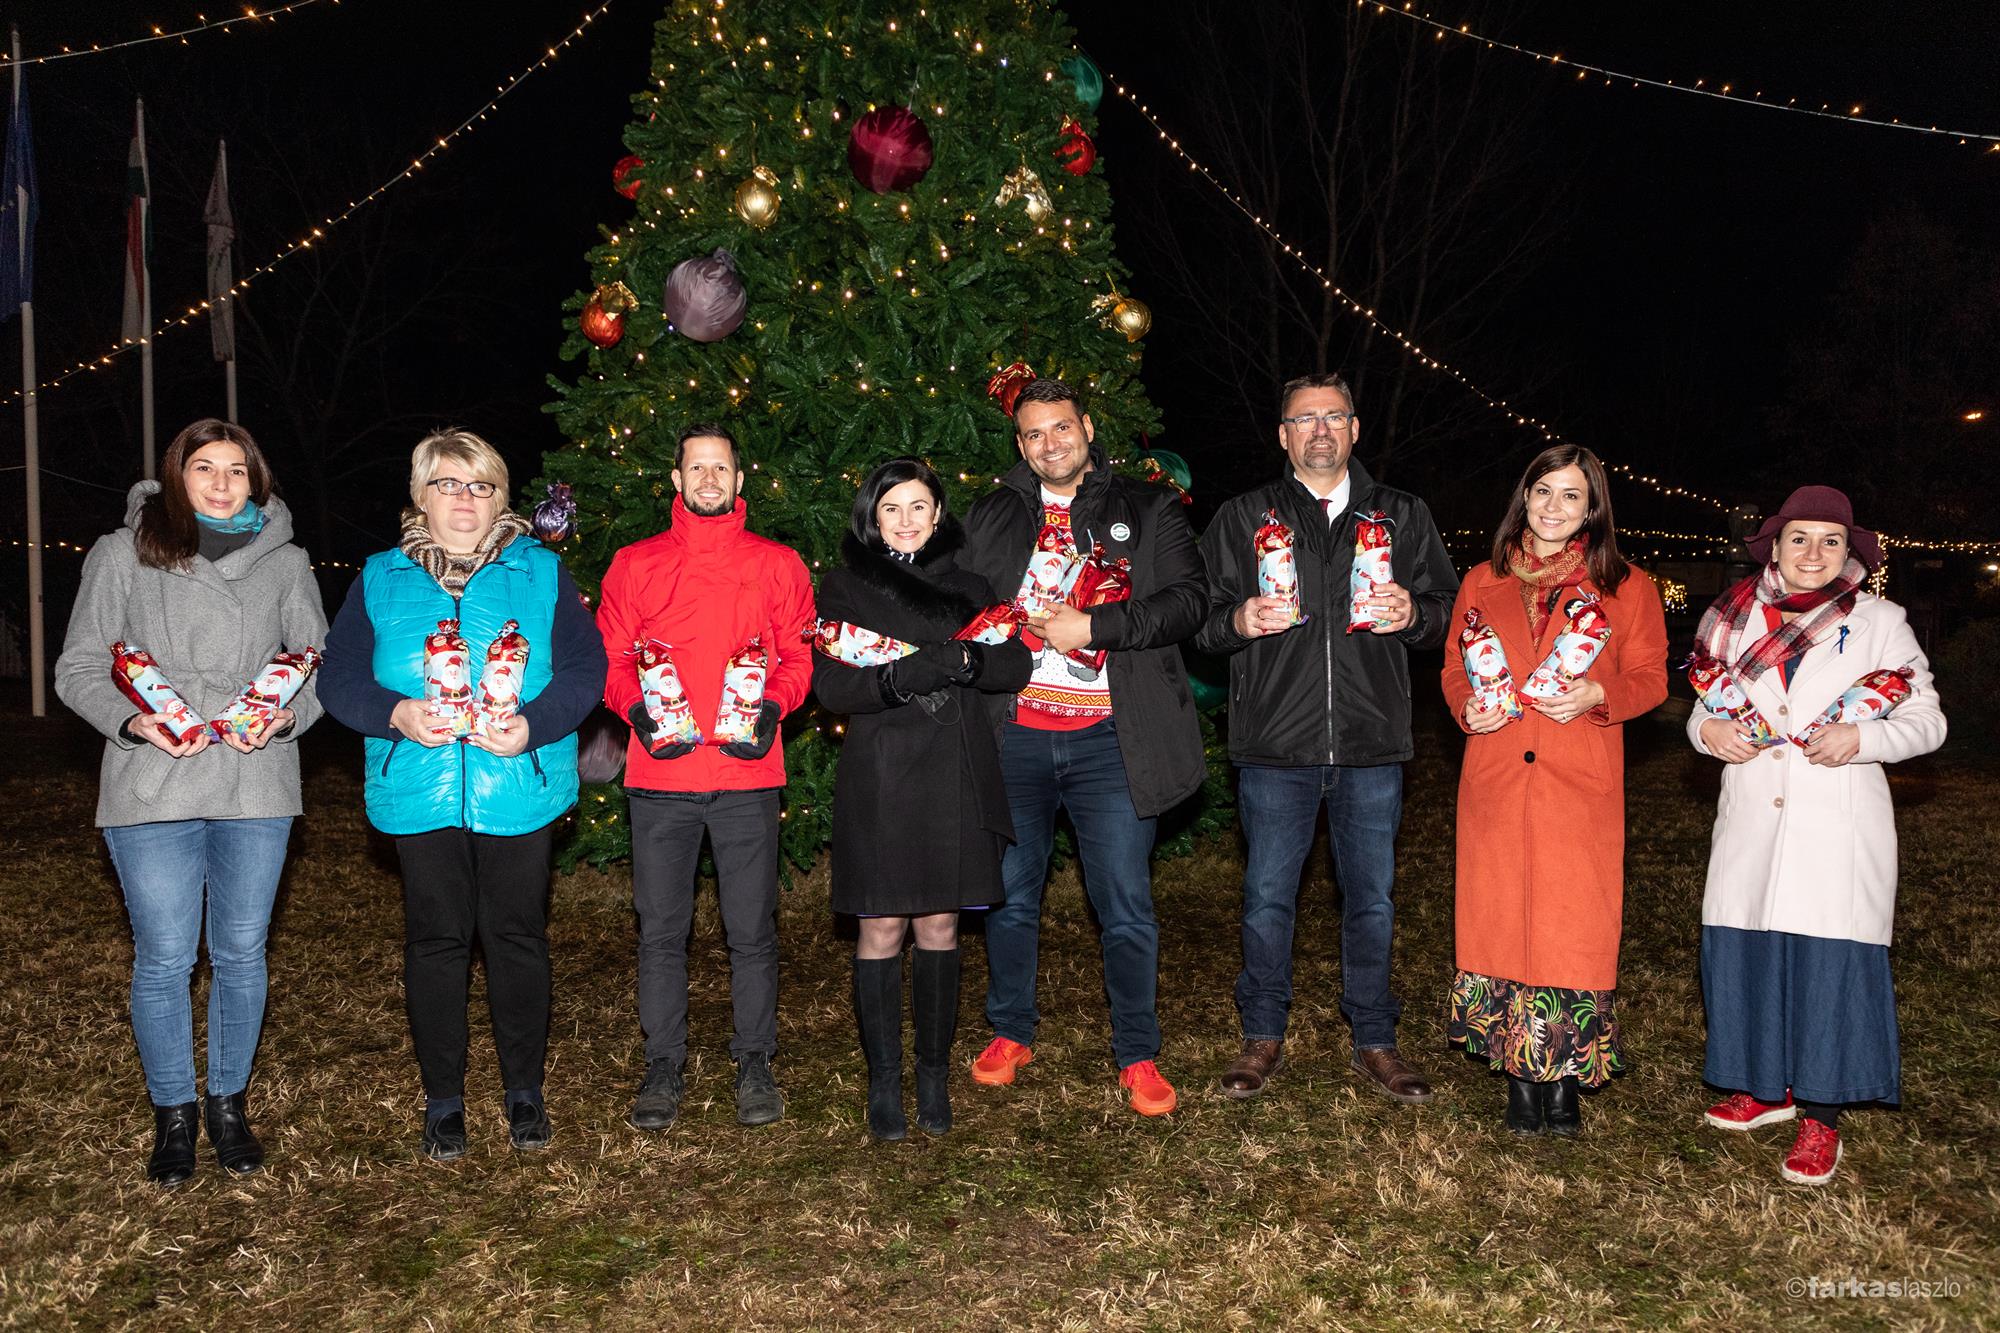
(1725, 92)
(250, 14)
(327, 224)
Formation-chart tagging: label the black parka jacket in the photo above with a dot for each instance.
(1158, 732)
(920, 810)
(1316, 694)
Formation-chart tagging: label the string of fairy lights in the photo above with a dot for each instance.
(441, 144)
(250, 14)
(1855, 114)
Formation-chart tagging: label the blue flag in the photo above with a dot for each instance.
(17, 246)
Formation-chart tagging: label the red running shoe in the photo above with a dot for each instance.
(1814, 1155)
(1742, 1111)
(1151, 1094)
(998, 1063)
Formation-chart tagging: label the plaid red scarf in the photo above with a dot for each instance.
(1542, 581)
(1817, 613)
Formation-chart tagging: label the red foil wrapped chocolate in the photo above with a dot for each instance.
(855, 645)
(1723, 695)
(500, 679)
(1874, 695)
(448, 678)
(275, 687)
(742, 694)
(1486, 669)
(142, 681)
(1577, 645)
(996, 624)
(663, 694)
(1278, 566)
(1099, 582)
(1371, 573)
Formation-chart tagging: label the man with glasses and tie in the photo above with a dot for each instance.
(1319, 718)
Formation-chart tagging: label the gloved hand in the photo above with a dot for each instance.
(761, 736)
(642, 726)
(932, 667)
(975, 662)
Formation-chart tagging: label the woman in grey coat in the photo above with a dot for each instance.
(204, 576)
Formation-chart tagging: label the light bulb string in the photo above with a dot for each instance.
(251, 14)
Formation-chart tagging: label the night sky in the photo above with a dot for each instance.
(1687, 250)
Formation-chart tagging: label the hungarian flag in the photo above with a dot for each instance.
(138, 232)
(221, 272)
(18, 210)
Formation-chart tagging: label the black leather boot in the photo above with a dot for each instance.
(1524, 1105)
(236, 1148)
(878, 1007)
(174, 1131)
(1562, 1109)
(934, 1010)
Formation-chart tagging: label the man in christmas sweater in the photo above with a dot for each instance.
(1114, 745)
(707, 588)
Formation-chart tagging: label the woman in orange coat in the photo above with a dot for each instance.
(1541, 800)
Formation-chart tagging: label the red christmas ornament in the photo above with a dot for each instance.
(1007, 383)
(601, 326)
(889, 149)
(622, 179)
(1076, 152)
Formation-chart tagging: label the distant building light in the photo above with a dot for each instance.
(1975, 415)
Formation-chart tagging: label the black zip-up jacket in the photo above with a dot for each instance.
(1158, 733)
(1316, 694)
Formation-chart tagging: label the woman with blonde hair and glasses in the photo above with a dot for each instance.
(473, 815)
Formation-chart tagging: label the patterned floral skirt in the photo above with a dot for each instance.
(1539, 1033)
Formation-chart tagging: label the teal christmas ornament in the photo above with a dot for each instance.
(1088, 80)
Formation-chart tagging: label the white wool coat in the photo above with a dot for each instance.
(1806, 849)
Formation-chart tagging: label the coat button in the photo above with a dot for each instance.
(1782, 710)
(1778, 753)
(1528, 757)
(1778, 801)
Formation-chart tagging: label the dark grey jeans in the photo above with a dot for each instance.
(742, 828)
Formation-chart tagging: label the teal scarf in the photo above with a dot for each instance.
(247, 519)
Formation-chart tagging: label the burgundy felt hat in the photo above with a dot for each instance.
(1817, 504)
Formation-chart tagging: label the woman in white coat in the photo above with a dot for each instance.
(1802, 872)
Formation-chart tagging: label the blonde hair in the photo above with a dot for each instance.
(453, 445)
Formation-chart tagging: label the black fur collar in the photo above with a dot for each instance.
(917, 587)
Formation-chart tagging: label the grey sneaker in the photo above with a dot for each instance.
(659, 1099)
(758, 1101)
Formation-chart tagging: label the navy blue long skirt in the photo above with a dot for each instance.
(1813, 1015)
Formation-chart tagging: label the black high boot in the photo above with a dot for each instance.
(934, 1008)
(1524, 1106)
(174, 1130)
(878, 1006)
(236, 1148)
(1561, 1107)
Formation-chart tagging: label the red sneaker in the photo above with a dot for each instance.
(998, 1063)
(1151, 1094)
(1814, 1155)
(1742, 1111)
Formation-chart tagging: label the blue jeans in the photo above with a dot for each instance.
(1280, 812)
(163, 869)
(1082, 772)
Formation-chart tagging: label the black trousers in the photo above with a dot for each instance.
(742, 829)
(458, 885)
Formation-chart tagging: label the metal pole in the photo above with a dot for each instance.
(38, 648)
(146, 302)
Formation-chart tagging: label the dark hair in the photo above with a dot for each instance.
(706, 430)
(1046, 390)
(168, 536)
(1607, 567)
(879, 483)
(1303, 382)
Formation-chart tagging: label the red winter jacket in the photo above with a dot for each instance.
(705, 586)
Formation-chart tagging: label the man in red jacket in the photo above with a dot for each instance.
(706, 588)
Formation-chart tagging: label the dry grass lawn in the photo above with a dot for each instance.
(1049, 1205)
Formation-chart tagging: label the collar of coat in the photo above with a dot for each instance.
(1029, 483)
(915, 586)
(1360, 489)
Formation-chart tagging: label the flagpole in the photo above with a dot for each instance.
(38, 699)
(229, 365)
(145, 302)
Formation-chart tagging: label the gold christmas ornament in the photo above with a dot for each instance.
(757, 199)
(615, 297)
(1022, 183)
(1132, 318)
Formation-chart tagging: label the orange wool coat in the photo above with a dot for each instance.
(1541, 804)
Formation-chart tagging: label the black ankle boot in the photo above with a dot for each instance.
(174, 1130)
(934, 1009)
(236, 1148)
(1561, 1108)
(878, 1007)
(1524, 1105)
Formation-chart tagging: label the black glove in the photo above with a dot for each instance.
(761, 736)
(642, 726)
(932, 667)
(975, 662)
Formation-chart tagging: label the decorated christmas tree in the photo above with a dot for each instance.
(854, 232)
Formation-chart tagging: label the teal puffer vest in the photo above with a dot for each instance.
(411, 789)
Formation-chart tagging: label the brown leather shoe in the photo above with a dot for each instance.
(1392, 1074)
(1258, 1063)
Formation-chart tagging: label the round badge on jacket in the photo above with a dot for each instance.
(1120, 532)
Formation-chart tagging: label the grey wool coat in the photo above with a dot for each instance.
(211, 628)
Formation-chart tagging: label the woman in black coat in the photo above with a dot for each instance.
(920, 810)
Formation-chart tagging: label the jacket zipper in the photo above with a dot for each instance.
(536, 760)
(1326, 621)
(394, 741)
(464, 794)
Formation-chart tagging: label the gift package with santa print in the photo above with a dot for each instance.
(254, 707)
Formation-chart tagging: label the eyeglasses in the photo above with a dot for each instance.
(1333, 420)
(452, 486)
